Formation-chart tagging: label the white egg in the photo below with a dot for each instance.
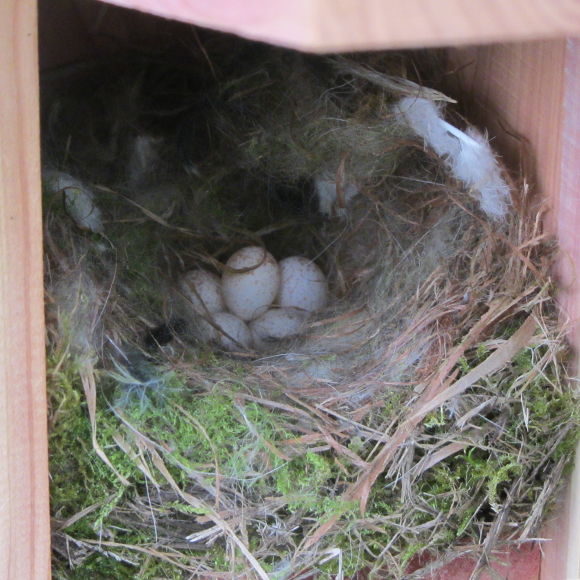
(234, 334)
(249, 294)
(202, 292)
(276, 324)
(303, 285)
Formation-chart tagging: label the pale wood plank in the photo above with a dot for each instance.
(24, 509)
(533, 89)
(518, 88)
(334, 25)
(568, 227)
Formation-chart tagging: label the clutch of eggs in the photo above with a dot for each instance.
(240, 304)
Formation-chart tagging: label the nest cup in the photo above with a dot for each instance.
(424, 408)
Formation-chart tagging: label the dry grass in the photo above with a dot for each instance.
(425, 411)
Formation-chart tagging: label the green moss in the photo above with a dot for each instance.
(96, 567)
(303, 474)
(435, 419)
(246, 441)
(235, 436)
(104, 567)
(78, 477)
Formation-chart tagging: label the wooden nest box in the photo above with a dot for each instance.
(518, 67)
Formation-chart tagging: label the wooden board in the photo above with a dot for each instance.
(24, 510)
(336, 25)
(528, 96)
(568, 216)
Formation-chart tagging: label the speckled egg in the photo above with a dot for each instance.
(303, 285)
(233, 328)
(202, 292)
(276, 324)
(248, 294)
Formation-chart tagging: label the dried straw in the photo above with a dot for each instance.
(425, 412)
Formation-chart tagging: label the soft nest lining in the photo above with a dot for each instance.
(424, 410)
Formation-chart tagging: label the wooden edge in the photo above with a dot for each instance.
(570, 515)
(341, 25)
(536, 86)
(24, 497)
(568, 227)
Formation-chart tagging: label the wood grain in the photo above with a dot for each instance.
(568, 227)
(515, 91)
(528, 96)
(24, 510)
(336, 25)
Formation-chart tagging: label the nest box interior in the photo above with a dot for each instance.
(524, 94)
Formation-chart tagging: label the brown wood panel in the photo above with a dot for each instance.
(515, 91)
(565, 533)
(528, 96)
(24, 509)
(77, 30)
(334, 25)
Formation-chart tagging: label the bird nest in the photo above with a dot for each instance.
(423, 414)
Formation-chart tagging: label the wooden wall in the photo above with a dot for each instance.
(528, 96)
(24, 515)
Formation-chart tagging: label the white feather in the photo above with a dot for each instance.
(424, 117)
(325, 186)
(469, 155)
(478, 168)
(78, 200)
(144, 159)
